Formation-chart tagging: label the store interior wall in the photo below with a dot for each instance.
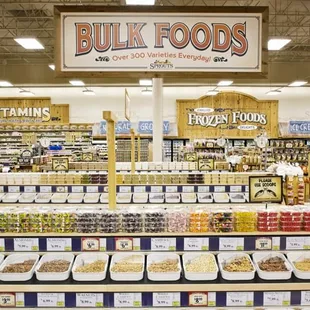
(294, 103)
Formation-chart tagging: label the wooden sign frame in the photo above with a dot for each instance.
(205, 164)
(63, 167)
(188, 158)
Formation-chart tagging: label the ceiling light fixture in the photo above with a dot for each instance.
(77, 83)
(274, 92)
(89, 92)
(298, 83)
(145, 82)
(140, 2)
(26, 93)
(213, 92)
(147, 91)
(52, 66)
(224, 83)
(276, 44)
(29, 43)
(5, 84)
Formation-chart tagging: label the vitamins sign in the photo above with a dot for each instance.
(153, 41)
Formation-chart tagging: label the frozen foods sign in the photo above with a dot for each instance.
(160, 42)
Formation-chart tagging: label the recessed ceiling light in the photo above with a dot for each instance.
(224, 83)
(88, 92)
(26, 93)
(147, 91)
(212, 92)
(29, 43)
(77, 83)
(145, 82)
(277, 43)
(274, 92)
(140, 2)
(52, 66)
(298, 83)
(5, 84)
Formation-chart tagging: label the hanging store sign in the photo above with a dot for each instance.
(299, 127)
(160, 39)
(146, 127)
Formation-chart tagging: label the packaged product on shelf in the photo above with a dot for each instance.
(290, 190)
(41, 220)
(199, 220)
(154, 220)
(245, 220)
(290, 219)
(267, 220)
(64, 221)
(86, 220)
(306, 219)
(222, 221)
(177, 220)
(132, 221)
(301, 191)
(108, 221)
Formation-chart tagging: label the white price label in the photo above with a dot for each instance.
(295, 243)
(77, 189)
(166, 299)
(30, 189)
(156, 189)
(275, 243)
(263, 243)
(123, 300)
(103, 244)
(45, 189)
(171, 189)
(231, 244)
(1, 189)
(203, 189)
(125, 189)
(59, 244)
(14, 189)
(139, 189)
(211, 299)
(26, 244)
(2, 245)
(61, 189)
(277, 298)
(136, 244)
(163, 244)
(247, 188)
(196, 244)
(51, 300)
(235, 188)
(91, 300)
(239, 299)
(20, 299)
(92, 189)
(219, 189)
(188, 189)
(305, 298)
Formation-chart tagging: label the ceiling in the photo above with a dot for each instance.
(289, 18)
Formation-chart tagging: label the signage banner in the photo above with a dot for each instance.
(121, 127)
(299, 127)
(156, 41)
(146, 127)
(265, 189)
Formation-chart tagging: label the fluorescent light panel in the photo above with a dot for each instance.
(145, 82)
(52, 66)
(29, 43)
(298, 83)
(140, 2)
(88, 92)
(224, 83)
(77, 83)
(212, 92)
(276, 44)
(5, 84)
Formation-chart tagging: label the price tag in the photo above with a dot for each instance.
(92, 189)
(123, 300)
(307, 243)
(13, 189)
(91, 300)
(125, 189)
(58, 244)
(231, 244)
(7, 300)
(196, 244)
(277, 298)
(139, 189)
(2, 245)
(166, 299)
(235, 188)
(30, 189)
(163, 244)
(188, 189)
(275, 243)
(61, 189)
(90, 244)
(219, 189)
(239, 299)
(247, 188)
(211, 299)
(171, 189)
(103, 244)
(45, 189)
(295, 243)
(20, 299)
(198, 299)
(51, 300)
(156, 189)
(203, 189)
(124, 244)
(77, 189)
(305, 298)
(1, 189)
(26, 244)
(136, 244)
(263, 243)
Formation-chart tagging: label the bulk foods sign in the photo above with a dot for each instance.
(153, 41)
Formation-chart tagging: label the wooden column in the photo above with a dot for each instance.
(139, 148)
(111, 119)
(133, 151)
